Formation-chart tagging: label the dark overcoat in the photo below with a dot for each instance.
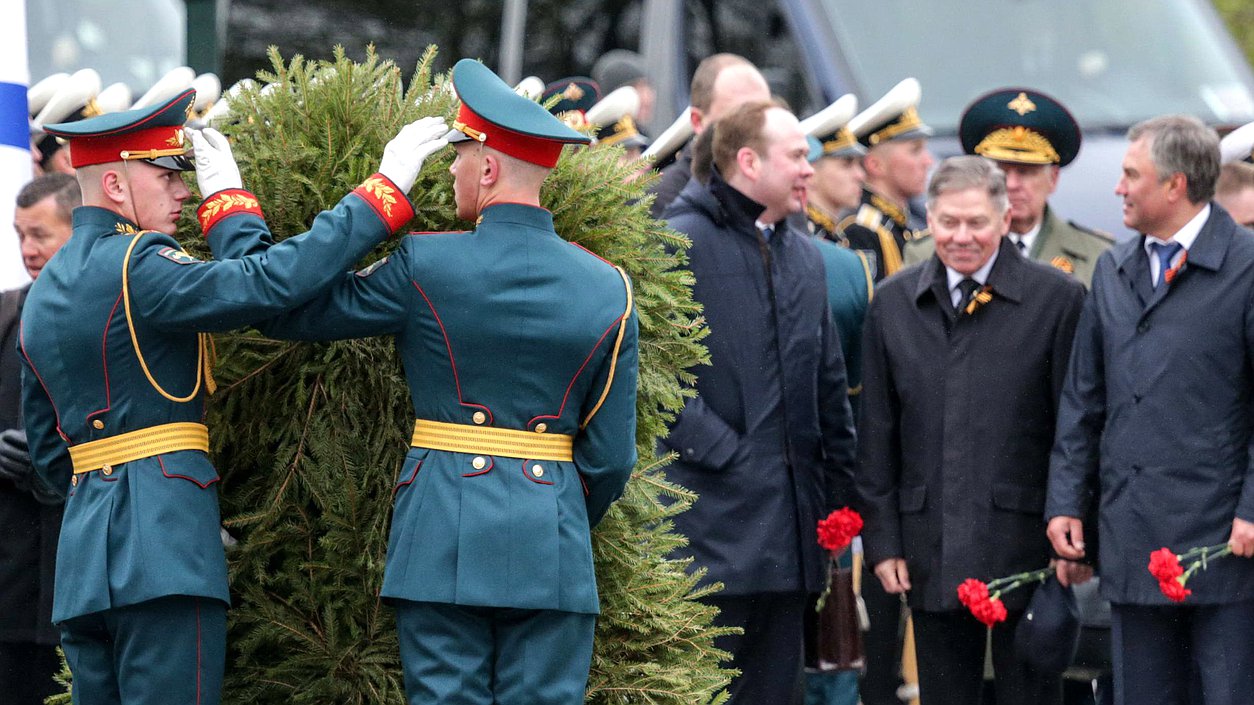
(768, 443)
(28, 529)
(1157, 406)
(957, 421)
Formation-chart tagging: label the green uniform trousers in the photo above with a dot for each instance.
(167, 651)
(459, 655)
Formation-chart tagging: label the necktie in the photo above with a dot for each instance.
(967, 287)
(1023, 246)
(767, 232)
(1165, 251)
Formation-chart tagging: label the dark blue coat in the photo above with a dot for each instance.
(768, 443)
(1157, 406)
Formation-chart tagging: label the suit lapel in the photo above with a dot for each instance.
(1207, 252)
(1134, 269)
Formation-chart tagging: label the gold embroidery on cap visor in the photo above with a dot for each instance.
(624, 129)
(908, 121)
(1017, 144)
(843, 139)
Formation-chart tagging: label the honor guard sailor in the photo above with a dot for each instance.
(896, 165)
(116, 371)
(519, 349)
(1031, 136)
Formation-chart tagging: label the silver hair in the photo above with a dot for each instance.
(1185, 145)
(969, 171)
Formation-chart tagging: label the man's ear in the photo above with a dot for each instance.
(489, 170)
(113, 187)
(696, 118)
(1177, 187)
(748, 162)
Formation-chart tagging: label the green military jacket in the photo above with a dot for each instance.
(1062, 244)
(111, 343)
(506, 328)
(850, 283)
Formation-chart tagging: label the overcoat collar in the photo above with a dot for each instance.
(1208, 252)
(1005, 278)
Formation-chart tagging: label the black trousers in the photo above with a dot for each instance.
(1183, 655)
(770, 652)
(882, 643)
(26, 671)
(950, 651)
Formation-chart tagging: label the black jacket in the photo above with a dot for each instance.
(768, 443)
(957, 422)
(28, 529)
(672, 181)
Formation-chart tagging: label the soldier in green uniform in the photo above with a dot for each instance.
(836, 186)
(116, 371)
(519, 349)
(1031, 136)
(896, 165)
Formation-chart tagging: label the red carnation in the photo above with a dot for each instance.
(1174, 590)
(972, 592)
(989, 611)
(1165, 565)
(836, 532)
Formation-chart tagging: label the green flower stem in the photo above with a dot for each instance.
(1201, 558)
(1013, 582)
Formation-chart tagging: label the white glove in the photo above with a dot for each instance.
(215, 165)
(403, 156)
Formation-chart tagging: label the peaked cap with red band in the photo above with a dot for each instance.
(153, 134)
(493, 114)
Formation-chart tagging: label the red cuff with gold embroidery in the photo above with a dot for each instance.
(388, 201)
(226, 203)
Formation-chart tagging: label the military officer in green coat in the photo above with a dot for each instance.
(116, 371)
(519, 349)
(1031, 136)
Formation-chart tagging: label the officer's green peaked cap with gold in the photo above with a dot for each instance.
(493, 114)
(153, 134)
(1020, 125)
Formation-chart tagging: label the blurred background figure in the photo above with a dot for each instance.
(721, 83)
(897, 161)
(622, 67)
(30, 519)
(1235, 192)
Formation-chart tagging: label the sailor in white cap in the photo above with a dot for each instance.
(896, 164)
(72, 100)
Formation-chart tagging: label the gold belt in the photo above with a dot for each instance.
(485, 440)
(135, 445)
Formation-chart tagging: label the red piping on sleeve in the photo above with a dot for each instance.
(21, 336)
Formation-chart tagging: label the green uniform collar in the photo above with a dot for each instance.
(102, 221)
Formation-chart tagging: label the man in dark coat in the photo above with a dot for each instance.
(963, 360)
(767, 444)
(1157, 412)
(30, 518)
(720, 84)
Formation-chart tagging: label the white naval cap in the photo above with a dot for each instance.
(895, 116)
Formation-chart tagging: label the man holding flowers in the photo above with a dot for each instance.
(963, 360)
(1157, 412)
